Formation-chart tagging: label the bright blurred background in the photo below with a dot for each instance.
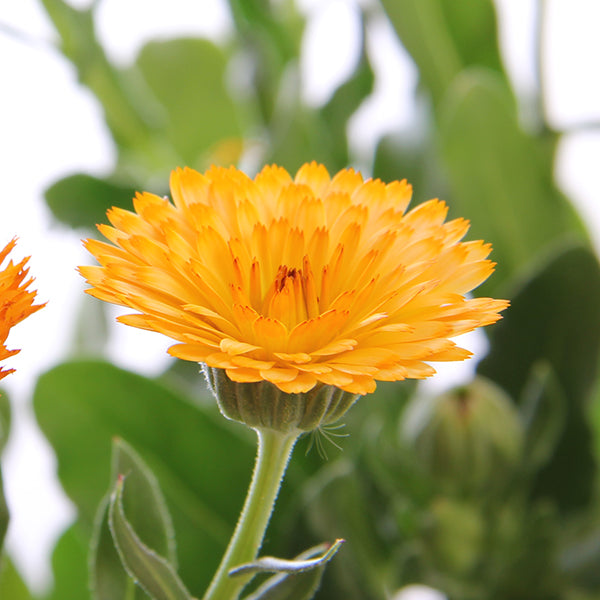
(52, 126)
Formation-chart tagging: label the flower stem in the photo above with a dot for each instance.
(274, 450)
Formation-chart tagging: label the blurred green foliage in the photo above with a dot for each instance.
(529, 527)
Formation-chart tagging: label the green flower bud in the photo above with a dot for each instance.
(468, 439)
(262, 405)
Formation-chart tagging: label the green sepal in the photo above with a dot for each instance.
(148, 513)
(155, 575)
(297, 579)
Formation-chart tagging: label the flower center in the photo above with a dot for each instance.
(286, 276)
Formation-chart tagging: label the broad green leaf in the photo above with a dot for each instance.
(149, 570)
(12, 586)
(70, 567)
(555, 317)
(5, 419)
(300, 585)
(147, 512)
(500, 179)
(422, 28)
(82, 200)
(202, 463)
(187, 77)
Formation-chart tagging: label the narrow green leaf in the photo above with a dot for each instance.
(543, 408)
(500, 177)
(555, 317)
(270, 39)
(422, 28)
(149, 570)
(343, 104)
(122, 103)
(271, 564)
(108, 578)
(82, 200)
(296, 585)
(473, 27)
(146, 511)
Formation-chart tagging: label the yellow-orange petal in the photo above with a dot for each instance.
(299, 281)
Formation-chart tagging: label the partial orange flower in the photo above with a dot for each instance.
(16, 301)
(303, 281)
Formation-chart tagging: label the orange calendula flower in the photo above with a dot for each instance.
(16, 301)
(296, 281)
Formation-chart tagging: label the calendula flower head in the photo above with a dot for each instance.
(300, 282)
(16, 301)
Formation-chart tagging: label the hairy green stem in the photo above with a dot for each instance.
(274, 450)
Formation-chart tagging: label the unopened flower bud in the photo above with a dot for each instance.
(468, 439)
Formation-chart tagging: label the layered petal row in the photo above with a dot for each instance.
(297, 281)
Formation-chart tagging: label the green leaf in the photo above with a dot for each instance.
(11, 584)
(270, 37)
(146, 511)
(149, 570)
(123, 103)
(543, 409)
(108, 578)
(500, 179)
(410, 156)
(5, 419)
(272, 564)
(187, 77)
(298, 584)
(342, 105)
(555, 317)
(70, 567)
(202, 463)
(474, 29)
(444, 37)
(82, 200)
(422, 28)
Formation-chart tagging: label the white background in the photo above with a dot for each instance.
(51, 127)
